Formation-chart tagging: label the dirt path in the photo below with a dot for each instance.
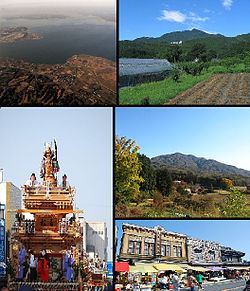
(220, 89)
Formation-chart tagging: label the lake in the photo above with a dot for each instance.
(61, 42)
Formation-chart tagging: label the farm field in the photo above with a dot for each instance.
(231, 88)
(160, 92)
(147, 208)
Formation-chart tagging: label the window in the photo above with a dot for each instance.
(131, 247)
(149, 249)
(134, 247)
(164, 250)
(138, 247)
(211, 255)
(168, 253)
(152, 249)
(179, 251)
(174, 251)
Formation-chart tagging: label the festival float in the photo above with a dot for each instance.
(48, 228)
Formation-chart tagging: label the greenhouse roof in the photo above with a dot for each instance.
(142, 66)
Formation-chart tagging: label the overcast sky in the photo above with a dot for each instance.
(84, 139)
(99, 3)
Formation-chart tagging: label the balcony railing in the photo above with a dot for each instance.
(65, 227)
(47, 190)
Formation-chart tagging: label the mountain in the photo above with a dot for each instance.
(183, 36)
(150, 47)
(184, 162)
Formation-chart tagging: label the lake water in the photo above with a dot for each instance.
(61, 42)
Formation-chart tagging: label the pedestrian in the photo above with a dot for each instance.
(199, 277)
(21, 261)
(247, 288)
(164, 282)
(32, 266)
(176, 282)
(191, 281)
(43, 266)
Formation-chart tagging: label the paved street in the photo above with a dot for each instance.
(222, 286)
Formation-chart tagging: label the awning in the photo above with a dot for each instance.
(169, 267)
(215, 269)
(121, 267)
(142, 268)
(238, 268)
(198, 269)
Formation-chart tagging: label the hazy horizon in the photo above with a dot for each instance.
(85, 3)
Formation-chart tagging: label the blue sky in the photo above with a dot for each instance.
(232, 233)
(222, 134)
(84, 140)
(155, 17)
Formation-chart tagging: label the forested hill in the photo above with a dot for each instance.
(183, 36)
(217, 45)
(192, 163)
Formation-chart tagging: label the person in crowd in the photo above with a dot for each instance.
(32, 182)
(164, 282)
(68, 266)
(199, 277)
(21, 261)
(247, 288)
(191, 281)
(176, 281)
(43, 266)
(32, 266)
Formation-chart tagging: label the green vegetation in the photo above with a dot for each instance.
(127, 170)
(217, 46)
(143, 190)
(184, 76)
(159, 92)
(198, 57)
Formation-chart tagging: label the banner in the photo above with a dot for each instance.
(2, 247)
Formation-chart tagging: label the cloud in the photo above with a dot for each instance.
(177, 16)
(227, 4)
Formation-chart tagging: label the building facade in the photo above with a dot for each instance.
(144, 243)
(231, 256)
(11, 196)
(203, 251)
(141, 243)
(97, 240)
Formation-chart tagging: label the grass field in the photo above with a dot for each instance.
(170, 209)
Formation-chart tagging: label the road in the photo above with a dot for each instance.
(222, 286)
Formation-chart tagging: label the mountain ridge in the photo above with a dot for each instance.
(179, 161)
(180, 35)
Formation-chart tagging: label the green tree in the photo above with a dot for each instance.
(147, 173)
(164, 182)
(235, 204)
(127, 170)
(174, 53)
(197, 51)
(175, 74)
(226, 184)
